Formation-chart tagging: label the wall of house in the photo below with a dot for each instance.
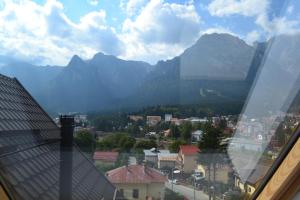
(222, 174)
(154, 190)
(166, 163)
(201, 168)
(152, 159)
(189, 163)
(103, 163)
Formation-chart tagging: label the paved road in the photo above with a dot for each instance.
(188, 192)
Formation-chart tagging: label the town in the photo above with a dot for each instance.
(167, 156)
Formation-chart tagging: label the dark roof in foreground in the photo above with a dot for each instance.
(30, 152)
(135, 174)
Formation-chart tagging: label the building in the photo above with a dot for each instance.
(81, 119)
(138, 182)
(105, 158)
(167, 133)
(187, 158)
(177, 121)
(153, 120)
(168, 117)
(196, 135)
(38, 159)
(247, 144)
(151, 155)
(136, 118)
(221, 173)
(196, 120)
(166, 160)
(253, 180)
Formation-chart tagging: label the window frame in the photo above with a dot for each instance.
(275, 168)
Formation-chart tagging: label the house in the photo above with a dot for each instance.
(138, 182)
(37, 158)
(253, 180)
(177, 121)
(247, 144)
(167, 160)
(168, 117)
(221, 174)
(151, 134)
(187, 158)
(151, 155)
(136, 118)
(167, 133)
(153, 120)
(196, 120)
(196, 135)
(80, 119)
(105, 158)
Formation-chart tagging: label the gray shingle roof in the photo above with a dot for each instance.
(30, 152)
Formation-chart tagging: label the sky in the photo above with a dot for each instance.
(50, 32)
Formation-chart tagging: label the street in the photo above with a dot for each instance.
(188, 192)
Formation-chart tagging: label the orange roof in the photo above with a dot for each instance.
(106, 156)
(189, 149)
(135, 174)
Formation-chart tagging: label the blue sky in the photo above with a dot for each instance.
(52, 31)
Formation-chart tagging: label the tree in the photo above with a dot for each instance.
(85, 140)
(212, 150)
(174, 146)
(134, 130)
(120, 141)
(175, 131)
(186, 131)
(223, 123)
(145, 144)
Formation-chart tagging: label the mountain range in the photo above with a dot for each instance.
(218, 68)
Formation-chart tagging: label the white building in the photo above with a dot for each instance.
(168, 117)
(167, 160)
(196, 135)
(151, 155)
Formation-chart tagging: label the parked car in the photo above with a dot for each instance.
(174, 181)
(198, 176)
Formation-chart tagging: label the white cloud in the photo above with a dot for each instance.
(278, 25)
(93, 2)
(131, 7)
(162, 30)
(218, 29)
(259, 9)
(290, 9)
(252, 36)
(243, 7)
(44, 34)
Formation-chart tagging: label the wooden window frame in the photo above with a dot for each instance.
(282, 180)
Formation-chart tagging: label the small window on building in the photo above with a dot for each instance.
(135, 193)
(249, 189)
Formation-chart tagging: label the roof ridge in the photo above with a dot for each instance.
(7, 77)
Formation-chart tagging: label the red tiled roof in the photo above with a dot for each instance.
(189, 149)
(135, 174)
(106, 156)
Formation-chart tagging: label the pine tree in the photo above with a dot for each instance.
(211, 150)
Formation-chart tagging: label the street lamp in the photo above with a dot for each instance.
(212, 191)
(194, 188)
(174, 171)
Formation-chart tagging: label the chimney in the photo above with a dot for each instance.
(67, 127)
(66, 157)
